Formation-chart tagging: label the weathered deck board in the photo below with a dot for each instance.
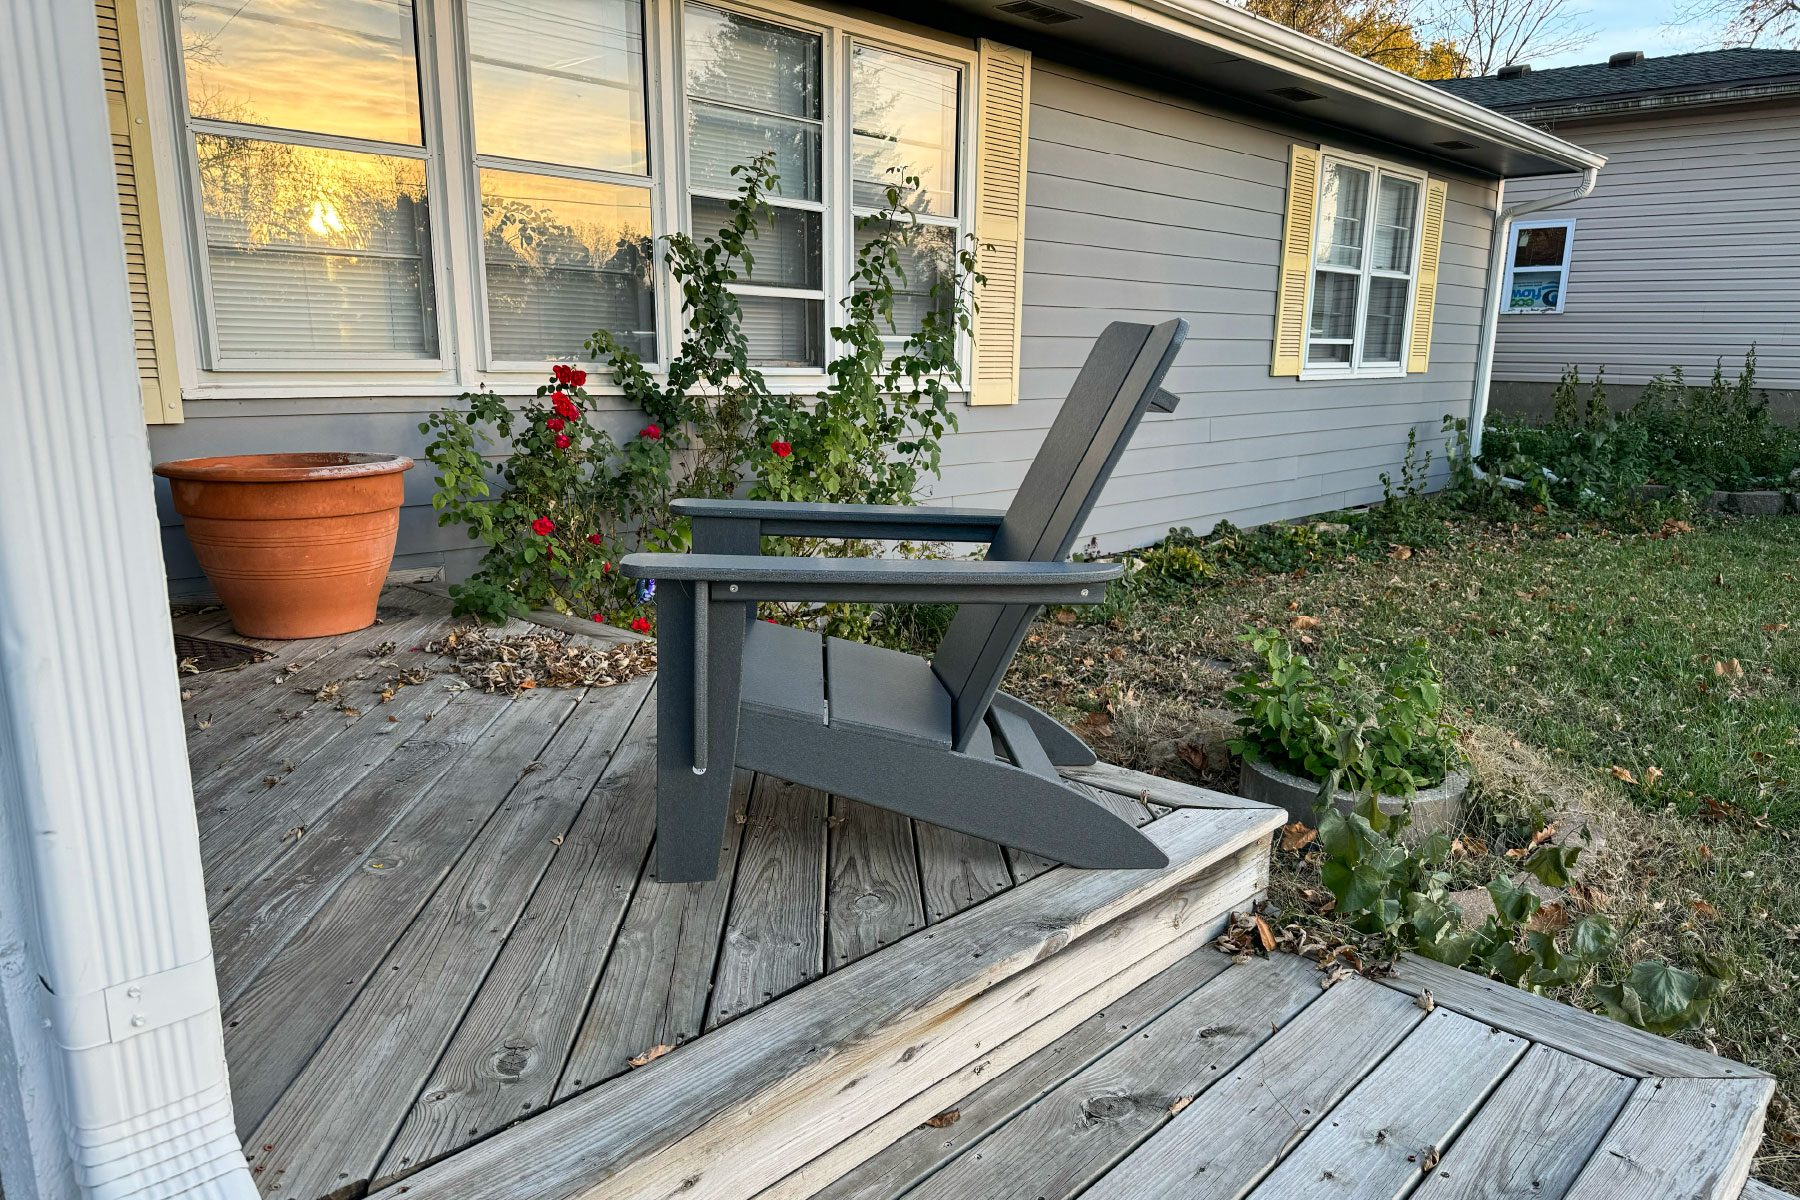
(505, 1057)
(915, 1156)
(1535, 1133)
(1374, 1144)
(1076, 1132)
(1238, 1129)
(332, 1126)
(1687, 1138)
(957, 871)
(658, 977)
(775, 935)
(1152, 789)
(873, 896)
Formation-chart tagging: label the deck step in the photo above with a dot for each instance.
(795, 1094)
(1757, 1190)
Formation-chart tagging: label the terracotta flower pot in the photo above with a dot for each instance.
(296, 545)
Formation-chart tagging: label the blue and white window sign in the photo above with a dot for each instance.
(1537, 267)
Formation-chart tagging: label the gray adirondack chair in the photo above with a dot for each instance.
(936, 740)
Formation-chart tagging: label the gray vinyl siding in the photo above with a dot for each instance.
(1688, 251)
(1141, 206)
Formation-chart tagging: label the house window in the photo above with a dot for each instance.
(562, 158)
(1537, 268)
(311, 175)
(1365, 262)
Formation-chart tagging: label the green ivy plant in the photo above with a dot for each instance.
(1398, 895)
(1384, 736)
(566, 500)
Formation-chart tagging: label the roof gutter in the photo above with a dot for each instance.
(1649, 105)
(1258, 40)
(1496, 282)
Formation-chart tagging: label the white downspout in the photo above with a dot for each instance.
(110, 1009)
(1490, 317)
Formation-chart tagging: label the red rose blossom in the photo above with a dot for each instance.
(577, 377)
(563, 441)
(606, 568)
(599, 618)
(593, 539)
(565, 407)
(782, 449)
(553, 424)
(543, 526)
(650, 431)
(640, 624)
(562, 373)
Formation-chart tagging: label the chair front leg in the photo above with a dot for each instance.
(700, 656)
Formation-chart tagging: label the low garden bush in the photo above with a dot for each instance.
(565, 500)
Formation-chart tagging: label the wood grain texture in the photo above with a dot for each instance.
(332, 1126)
(956, 870)
(873, 896)
(1534, 1134)
(914, 1156)
(1077, 1131)
(1679, 1139)
(659, 973)
(1239, 1128)
(1375, 1143)
(730, 1113)
(1756, 1189)
(1152, 788)
(1607, 1043)
(775, 933)
(504, 1060)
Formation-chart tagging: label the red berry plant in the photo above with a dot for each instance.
(556, 500)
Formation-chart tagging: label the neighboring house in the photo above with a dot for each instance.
(317, 198)
(1688, 250)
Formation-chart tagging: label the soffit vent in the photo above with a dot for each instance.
(1513, 71)
(1455, 145)
(1625, 58)
(1042, 14)
(1297, 94)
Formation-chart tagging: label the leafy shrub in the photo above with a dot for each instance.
(571, 500)
(1382, 738)
(1399, 897)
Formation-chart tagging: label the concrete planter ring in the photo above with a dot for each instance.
(296, 545)
(1434, 808)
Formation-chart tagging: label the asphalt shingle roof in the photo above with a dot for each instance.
(1707, 71)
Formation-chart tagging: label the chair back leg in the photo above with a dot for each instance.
(700, 656)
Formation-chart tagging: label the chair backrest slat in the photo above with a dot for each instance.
(1116, 385)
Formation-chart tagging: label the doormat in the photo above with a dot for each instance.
(197, 654)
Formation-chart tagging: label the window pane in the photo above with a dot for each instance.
(785, 253)
(565, 257)
(1333, 316)
(1396, 212)
(751, 64)
(343, 67)
(316, 253)
(903, 125)
(925, 260)
(1535, 291)
(1343, 202)
(1541, 247)
(559, 81)
(784, 332)
(1385, 326)
(722, 138)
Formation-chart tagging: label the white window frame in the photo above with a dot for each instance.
(840, 35)
(458, 271)
(427, 152)
(1357, 368)
(1562, 282)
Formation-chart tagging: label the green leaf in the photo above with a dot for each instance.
(1515, 904)
(1553, 865)
(1593, 938)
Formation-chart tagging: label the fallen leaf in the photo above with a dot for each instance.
(648, 1056)
(1302, 621)
(1400, 553)
(1706, 910)
(1431, 1159)
(1194, 756)
(1265, 934)
(1181, 1102)
(1424, 1000)
(557, 840)
(1651, 775)
(1622, 774)
(945, 1119)
(1297, 834)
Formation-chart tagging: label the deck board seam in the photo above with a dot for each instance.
(731, 901)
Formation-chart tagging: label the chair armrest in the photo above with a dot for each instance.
(895, 522)
(743, 578)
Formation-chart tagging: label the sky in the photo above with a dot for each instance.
(1647, 25)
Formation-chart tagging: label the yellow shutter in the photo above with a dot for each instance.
(122, 65)
(1296, 260)
(1431, 242)
(1004, 103)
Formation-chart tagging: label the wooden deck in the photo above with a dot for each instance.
(439, 949)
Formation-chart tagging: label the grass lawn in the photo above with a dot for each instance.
(1653, 679)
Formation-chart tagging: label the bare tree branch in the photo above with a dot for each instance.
(1492, 33)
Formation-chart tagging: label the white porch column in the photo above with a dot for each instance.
(112, 1012)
